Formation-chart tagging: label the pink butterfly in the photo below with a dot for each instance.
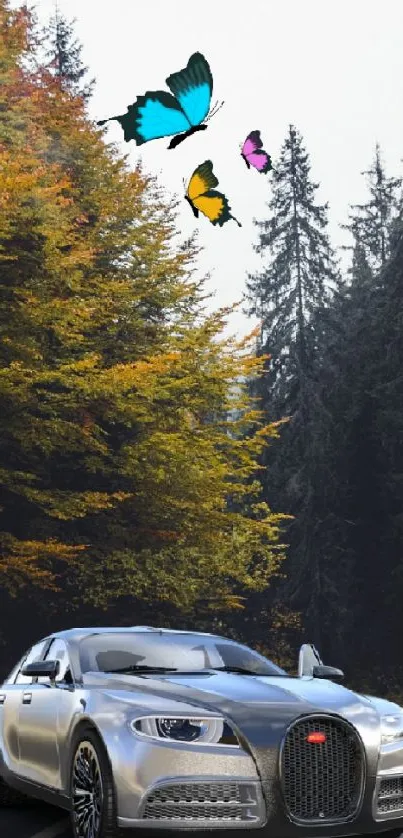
(253, 154)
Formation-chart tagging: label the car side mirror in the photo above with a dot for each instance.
(308, 658)
(329, 672)
(42, 669)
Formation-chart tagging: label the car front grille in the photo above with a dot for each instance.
(322, 781)
(390, 794)
(226, 802)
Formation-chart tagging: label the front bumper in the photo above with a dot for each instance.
(171, 786)
(179, 804)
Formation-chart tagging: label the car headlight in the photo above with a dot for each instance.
(392, 727)
(213, 731)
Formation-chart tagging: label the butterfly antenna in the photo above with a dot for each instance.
(217, 107)
(212, 111)
(235, 219)
(215, 110)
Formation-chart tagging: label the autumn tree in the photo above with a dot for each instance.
(112, 481)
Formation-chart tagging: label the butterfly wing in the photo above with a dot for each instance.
(202, 195)
(203, 179)
(260, 160)
(251, 143)
(154, 115)
(193, 88)
(214, 205)
(254, 155)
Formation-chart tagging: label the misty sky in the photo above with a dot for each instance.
(333, 68)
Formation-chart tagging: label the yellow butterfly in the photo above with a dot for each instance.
(202, 196)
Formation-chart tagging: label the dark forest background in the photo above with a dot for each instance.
(152, 472)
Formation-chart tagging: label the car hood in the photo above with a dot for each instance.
(222, 690)
(260, 708)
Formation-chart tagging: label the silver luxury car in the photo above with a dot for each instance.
(148, 727)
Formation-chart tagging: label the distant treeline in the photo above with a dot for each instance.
(336, 373)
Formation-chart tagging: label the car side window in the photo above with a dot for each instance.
(58, 651)
(33, 655)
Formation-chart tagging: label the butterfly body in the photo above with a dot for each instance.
(203, 197)
(180, 113)
(180, 137)
(192, 207)
(254, 155)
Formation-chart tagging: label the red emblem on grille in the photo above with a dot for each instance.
(316, 738)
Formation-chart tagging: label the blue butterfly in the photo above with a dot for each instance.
(158, 114)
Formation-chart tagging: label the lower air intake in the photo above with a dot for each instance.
(322, 776)
(390, 794)
(226, 802)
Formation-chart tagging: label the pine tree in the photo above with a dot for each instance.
(382, 522)
(64, 56)
(298, 278)
(371, 224)
(292, 296)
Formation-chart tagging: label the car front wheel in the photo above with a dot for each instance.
(92, 794)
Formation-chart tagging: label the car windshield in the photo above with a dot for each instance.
(157, 651)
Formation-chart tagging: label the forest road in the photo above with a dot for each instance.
(34, 820)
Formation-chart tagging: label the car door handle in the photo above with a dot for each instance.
(27, 698)
(2, 698)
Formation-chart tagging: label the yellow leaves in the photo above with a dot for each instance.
(67, 506)
(272, 429)
(226, 602)
(66, 321)
(31, 561)
(28, 176)
(14, 30)
(136, 381)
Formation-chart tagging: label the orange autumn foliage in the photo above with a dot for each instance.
(129, 446)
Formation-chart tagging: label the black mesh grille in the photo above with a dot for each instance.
(390, 794)
(202, 802)
(322, 781)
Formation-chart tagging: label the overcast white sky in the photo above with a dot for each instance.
(334, 68)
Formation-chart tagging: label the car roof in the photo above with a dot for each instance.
(76, 634)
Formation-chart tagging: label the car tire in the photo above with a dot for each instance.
(390, 833)
(11, 797)
(89, 758)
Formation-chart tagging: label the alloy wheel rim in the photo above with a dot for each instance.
(87, 792)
